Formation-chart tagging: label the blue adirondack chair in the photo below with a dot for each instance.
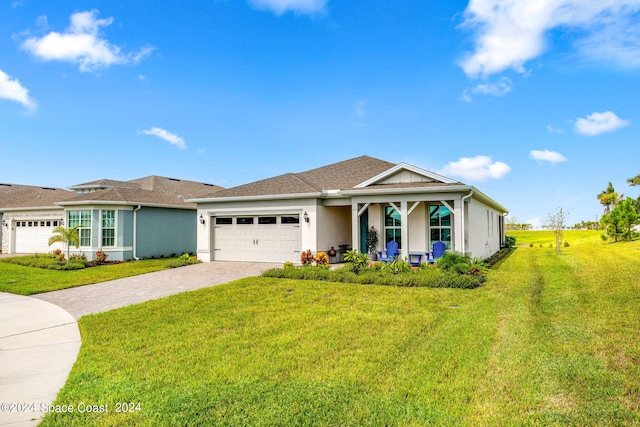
(437, 251)
(391, 253)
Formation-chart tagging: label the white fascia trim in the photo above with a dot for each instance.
(477, 194)
(408, 190)
(39, 208)
(252, 198)
(410, 168)
(128, 204)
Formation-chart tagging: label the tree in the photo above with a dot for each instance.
(68, 236)
(609, 198)
(634, 181)
(619, 223)
(555, 222)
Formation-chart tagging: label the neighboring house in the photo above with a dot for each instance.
(141, 218)
(29, 214)
(273, 220)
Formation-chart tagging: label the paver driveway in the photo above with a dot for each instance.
(133, 290)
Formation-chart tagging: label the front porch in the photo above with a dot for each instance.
(414, 224)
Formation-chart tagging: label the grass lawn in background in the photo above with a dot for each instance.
(23, 280)
(548, 340)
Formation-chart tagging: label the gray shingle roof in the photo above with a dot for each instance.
(148, 190)
(337, 176)
(27, 196)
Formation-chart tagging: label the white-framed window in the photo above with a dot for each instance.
(81, 219)
(109, 228)
(392, 226)
(439, 225)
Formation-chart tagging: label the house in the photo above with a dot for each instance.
(28, 215)
(274, 219)
(141, 218)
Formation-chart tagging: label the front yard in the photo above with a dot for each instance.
(24, 280)
(547, 340)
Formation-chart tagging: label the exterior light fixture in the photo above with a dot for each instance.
(4, 223)
(201, 219)
(305, 216)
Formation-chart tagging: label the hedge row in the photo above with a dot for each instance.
(430, 277)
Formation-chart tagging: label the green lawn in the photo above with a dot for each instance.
(22, 280)
(548, 340)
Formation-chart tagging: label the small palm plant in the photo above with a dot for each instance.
(68, 236)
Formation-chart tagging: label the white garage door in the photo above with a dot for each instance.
(33, 236)
(265, 238)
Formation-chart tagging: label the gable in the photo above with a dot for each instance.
(405, 177)
(404, 173)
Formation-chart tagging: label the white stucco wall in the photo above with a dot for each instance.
(334, 227)
(483, 233)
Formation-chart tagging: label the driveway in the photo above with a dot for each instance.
(133, 290)
(39, 337)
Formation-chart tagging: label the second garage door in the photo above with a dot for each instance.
(33, 236)
(264, 238)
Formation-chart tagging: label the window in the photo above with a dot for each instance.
(18, 224)
(439, 225)
(247, 220)
(48, 223)
(108, 228)
(291, 219)
(30, 223)
(267, 220)
(81, 219)
(55, 223)
(224, 221)
(392, 223)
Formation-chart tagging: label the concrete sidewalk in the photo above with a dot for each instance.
(39, 343)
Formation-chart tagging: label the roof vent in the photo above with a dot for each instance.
(6, 185)
(48, 188)
(179, 196)
(173, 179)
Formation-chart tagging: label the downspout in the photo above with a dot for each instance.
(463, 219)
(135, 222)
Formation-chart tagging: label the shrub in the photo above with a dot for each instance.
(101, 257)
(566, 244)
(306, 258)
(356, 260)
(397, 266)
(182, 260)
(76, 264)
(289, 264)
(455, 262)
(322, 258)
(509, 241)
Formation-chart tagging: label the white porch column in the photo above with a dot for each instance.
(404, 229)
(355, 227)
(458, 227)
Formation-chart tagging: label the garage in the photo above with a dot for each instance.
(33, 236)
(257, 238)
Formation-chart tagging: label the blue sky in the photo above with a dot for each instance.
(534, 103)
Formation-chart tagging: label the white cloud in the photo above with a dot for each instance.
(499, 88)
(552, 129)
(81, 44)
(279, 7)
(508, 33)
(12, 90)
(476, 168)
(360, 108)
(598, 123)
(547, 156)
(171, 138)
